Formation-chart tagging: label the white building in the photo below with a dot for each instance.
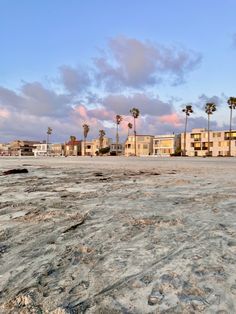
(41, 149)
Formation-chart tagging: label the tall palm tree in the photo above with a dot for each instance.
(130, 126)
(135, 113)
(210, 107)
(188, 110)
(101, 138)
(86, 130)
(49, 132)
(232, 105)
(119, 118)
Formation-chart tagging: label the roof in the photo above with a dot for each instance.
(73, 143)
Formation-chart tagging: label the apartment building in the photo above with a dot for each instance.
(166, 145)
(197, 143)
(57, 149)
(22, 148)
(41, 149)
(144, 145)
(116, 149)
(73, 147)
(92, 147)
(5, 149)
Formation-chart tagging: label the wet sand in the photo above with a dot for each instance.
(118, 235)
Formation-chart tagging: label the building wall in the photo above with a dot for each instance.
(57, 149)
(41, 149)
(93, 146)
(197, 143)
(144, 145)
(4, 149)
(165, 145)
(22, 148)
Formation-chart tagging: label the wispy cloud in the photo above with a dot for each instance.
(136, 64)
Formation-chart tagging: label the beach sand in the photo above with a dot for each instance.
(118, 235)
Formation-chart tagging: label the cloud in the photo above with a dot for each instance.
(74, 80)
(9, 98)
(135, 64)
(148, 105)
(4, 113)
(34, 98)
(203, 99)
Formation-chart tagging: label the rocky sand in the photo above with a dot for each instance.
(118, 235)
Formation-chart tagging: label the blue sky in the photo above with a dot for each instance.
(64, 63)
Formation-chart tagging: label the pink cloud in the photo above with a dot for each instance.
(171, 119)
(4, 113)
(82, 111)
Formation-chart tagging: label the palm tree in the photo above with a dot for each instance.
(135, 113)
(72, 138)
(232, 105)
(130, 126)
(49, 132)
(188, 109)
(101, 138)
(86, 130)
(210, 107)
(118, 121)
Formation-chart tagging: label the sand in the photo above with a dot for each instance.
(118, 235)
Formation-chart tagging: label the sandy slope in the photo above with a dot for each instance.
(118, 235)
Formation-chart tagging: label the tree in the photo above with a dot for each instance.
(130, 126)
(101, 138)
(232, 105)
(72, 138)
(49, 132)
(210, 107)
(104, 150)
(118, 121)
(86, 130)
(135, 113)
(188, 110)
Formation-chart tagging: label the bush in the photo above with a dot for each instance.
(104, 150)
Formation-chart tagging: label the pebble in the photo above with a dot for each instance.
(155, 298)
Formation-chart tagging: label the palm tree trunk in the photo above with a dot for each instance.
(84, 146)
(230, 131)
(135, 146)
(117, 139)
(47, 144)
(185, 130)
(208, 136)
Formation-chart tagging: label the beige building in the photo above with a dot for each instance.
(5, 149)
(144, 145)
(166, 145)
(22, 148)
(197, 143)
(57, 149)
(73, 147)
(92, 147)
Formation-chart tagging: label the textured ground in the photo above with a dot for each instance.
(118, 235)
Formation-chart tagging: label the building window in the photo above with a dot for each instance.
(145, 146)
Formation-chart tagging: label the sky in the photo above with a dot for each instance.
(64, 63)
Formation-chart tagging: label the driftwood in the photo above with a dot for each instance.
(14, 171)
